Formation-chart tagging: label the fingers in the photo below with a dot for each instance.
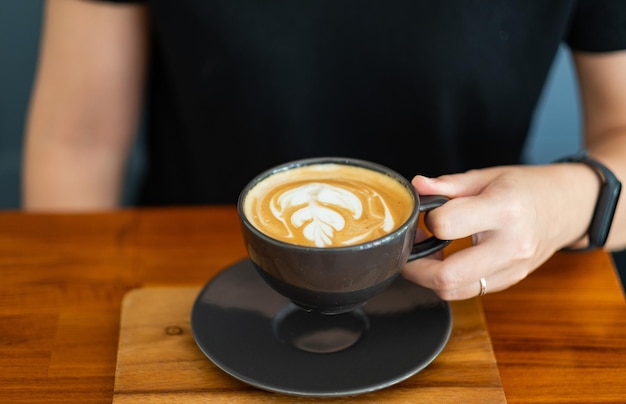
(476, 203)
(458, 276)
(510, 214)
(462, 217)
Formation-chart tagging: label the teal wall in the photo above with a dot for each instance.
(19, 39)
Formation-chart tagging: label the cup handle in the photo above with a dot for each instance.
(432, 244)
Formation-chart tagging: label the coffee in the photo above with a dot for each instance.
(293, 215)
(328, 205)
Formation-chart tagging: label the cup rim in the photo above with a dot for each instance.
(411, 219)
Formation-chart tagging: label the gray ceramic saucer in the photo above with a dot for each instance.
(256, 335)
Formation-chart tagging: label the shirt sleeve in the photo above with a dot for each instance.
(598, 26)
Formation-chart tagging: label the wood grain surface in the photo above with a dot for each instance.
(159, 362)
(559, 336)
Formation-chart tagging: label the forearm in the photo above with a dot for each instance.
(611, 151)
(74, 155)
(85, 106)
(70, 175)
(603, 89)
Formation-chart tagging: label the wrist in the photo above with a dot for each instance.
(605, 205)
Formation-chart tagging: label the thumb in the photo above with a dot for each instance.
(434, 186)
(470, 183)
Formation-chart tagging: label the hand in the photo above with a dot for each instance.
(517, 217)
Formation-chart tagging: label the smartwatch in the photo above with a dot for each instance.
(606, 204)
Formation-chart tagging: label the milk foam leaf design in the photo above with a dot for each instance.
(320, 223)
(317, 215)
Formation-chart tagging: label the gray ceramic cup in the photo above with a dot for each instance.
(334, 279)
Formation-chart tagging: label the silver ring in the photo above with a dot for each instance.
(483, 287)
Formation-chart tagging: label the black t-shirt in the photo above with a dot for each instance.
(421, 86)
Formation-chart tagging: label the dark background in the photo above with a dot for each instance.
(555, 130)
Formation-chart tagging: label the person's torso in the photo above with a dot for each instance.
(426, 87)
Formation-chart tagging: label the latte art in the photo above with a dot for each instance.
(328, 205)
(321, 211)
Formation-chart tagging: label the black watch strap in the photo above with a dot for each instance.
(606, 204)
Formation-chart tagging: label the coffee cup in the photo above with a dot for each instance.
(329, 233)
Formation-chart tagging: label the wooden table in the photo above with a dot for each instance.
(558, 336)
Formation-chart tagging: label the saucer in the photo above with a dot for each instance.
(241, 325)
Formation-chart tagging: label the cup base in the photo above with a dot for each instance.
(321, 300)
(315, 332)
